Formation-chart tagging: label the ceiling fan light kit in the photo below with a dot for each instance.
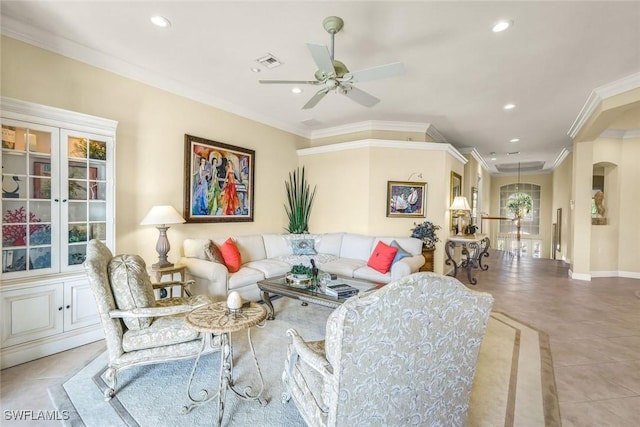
(334, 75)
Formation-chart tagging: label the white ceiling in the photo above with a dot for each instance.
(459, 73)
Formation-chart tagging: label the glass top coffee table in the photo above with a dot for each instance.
(279, 286)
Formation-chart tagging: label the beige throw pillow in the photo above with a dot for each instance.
(212, 252)
(131, 287)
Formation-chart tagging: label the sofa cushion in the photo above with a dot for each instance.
(401, 252)
(194, 248)
(270, 267)
(251, 247)
(320, 259)
(231, 255)
(382, 257)
(367, 273)
(276, 245)
(409, 244)
(131, 287)
(212, 252)
(329, 243)
(356, 246)
(343, 266)
(243, 277)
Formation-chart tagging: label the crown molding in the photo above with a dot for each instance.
(474, 153)
(621, 133)
(561, 156)
(384, 143)
(25, 111)
(370, 125)
(598, 95)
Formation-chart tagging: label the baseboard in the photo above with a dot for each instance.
(626, 274)
(580, 276)
(32, 350)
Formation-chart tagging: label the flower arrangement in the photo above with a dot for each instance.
(427, 233)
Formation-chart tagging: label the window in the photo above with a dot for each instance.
(531, 222)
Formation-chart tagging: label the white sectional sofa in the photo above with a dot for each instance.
(270, 255)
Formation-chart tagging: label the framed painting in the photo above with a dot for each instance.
(455, 191)
(559, 230)
(218, 181)
(406, 199)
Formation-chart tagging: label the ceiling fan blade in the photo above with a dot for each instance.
(375, 73)
(321, 57)
(290, 82)
(315, 99)
(360, 96)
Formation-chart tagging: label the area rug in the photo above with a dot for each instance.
(514, 382)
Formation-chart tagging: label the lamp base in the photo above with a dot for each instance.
(158, 265)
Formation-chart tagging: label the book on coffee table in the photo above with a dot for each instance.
(341, 290)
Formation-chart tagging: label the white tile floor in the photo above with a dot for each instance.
(594, 328)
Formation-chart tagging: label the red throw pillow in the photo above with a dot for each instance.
(382, 257)
(231, 255)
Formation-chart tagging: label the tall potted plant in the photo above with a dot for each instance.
(299, 201)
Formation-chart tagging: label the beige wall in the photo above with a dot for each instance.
(150, 142)
(352, 189)
(562, 199)
(546, 202)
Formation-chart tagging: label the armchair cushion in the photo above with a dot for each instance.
(131, 287)
(163, 331)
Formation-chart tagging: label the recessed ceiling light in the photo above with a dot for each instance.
(296, 90)
(494, 158)
(256, 69)
(501, 26)
(509, 106)
(514, 140)
(160, 21)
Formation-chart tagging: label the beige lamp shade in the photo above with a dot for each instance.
(460, 203)
(162, 215)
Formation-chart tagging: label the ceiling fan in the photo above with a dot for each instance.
(334, 75)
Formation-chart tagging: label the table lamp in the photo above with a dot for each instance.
(160, 216)
(460, 207)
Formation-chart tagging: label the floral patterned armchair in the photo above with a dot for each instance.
(402, 355)
(138, 329)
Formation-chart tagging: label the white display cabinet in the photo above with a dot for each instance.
(58, 192)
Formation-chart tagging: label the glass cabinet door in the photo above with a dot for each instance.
(29, 209)
(84, 212)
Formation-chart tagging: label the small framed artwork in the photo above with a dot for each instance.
(218, 181)
(406, 199)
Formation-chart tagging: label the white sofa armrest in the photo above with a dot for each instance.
(406, 266)
(212, 274)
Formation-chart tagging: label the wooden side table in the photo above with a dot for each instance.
(170, 271)
(217, 319)
(428, 256)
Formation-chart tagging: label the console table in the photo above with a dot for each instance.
(473, 249)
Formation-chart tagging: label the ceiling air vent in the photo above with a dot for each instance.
(524, 167)
(269, 61)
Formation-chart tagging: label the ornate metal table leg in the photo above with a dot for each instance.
(485, 243)
(246, 393)
(267, 300)
(205, 395)
(226, 369)
(473, 251)
(449, 249)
